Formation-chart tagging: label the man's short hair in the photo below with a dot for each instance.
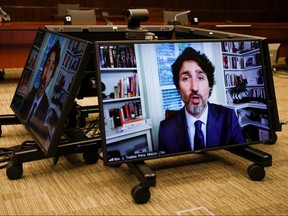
(191, 54)
(55, 48)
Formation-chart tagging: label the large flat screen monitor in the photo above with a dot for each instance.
(48, 85)
(164, 98)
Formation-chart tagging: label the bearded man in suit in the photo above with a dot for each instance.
(193, 76)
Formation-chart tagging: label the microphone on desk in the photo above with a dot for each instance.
(175, 21)
(105, 15)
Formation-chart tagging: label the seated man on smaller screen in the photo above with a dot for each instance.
(37, 103)
(199, 124)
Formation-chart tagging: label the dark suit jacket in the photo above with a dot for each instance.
(222, 129)
(37, 122)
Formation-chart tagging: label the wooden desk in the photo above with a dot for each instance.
(16, 38)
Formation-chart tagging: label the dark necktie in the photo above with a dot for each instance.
(31, 113)
(199, 136)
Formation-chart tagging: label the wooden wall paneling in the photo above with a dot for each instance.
(208, 5)
(35, 13)
(15, 47)
(248, 5)
(14, 57)
(209, 16)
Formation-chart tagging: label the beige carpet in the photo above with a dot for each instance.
(213, 183)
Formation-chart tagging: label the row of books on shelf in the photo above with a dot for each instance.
(236, 62)
(252, 95)
(232, 80)
(117, 57)
(127, 87)
(258, 93)
(32, 59)
(70, 62)
(239, 46)
(130, 114)
(76, 47)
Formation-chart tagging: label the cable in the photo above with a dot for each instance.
(93, 129)
(6, 154)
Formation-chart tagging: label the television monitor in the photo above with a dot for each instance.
(138, 91)
(48, 85)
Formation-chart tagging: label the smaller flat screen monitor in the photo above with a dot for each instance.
(48, 85)
(153, 92)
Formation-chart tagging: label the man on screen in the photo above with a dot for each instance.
(199, 124)
(37, 103)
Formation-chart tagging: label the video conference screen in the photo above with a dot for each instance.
(48, 86)
(163, 98)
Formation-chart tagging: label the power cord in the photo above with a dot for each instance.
(6, 154)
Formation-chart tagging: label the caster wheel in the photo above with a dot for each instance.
(55, 160)
(90, 157)
(140, 194)
(256, 172)
(272, 140)
(14, 171)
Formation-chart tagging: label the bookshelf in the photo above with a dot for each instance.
(126, 127)
(244, 83)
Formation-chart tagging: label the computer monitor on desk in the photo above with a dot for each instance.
(142, 81)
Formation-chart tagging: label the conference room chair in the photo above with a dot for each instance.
(63, 7)
(87, 17)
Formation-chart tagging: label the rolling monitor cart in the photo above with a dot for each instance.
(139, 90)
(44, 102)
(102, 33)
